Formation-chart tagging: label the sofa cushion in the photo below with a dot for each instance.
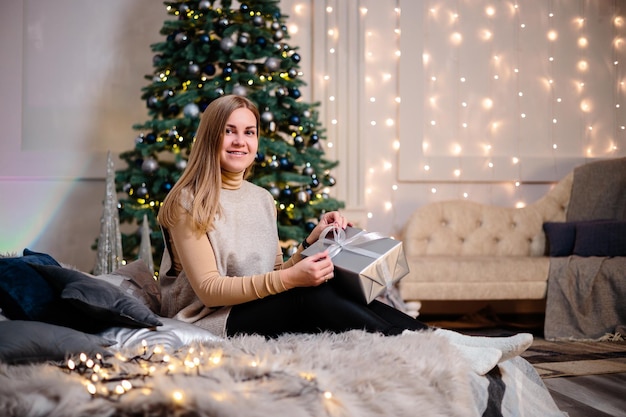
(475, 278)
(560, 238)
(584, 238)
(606, 238)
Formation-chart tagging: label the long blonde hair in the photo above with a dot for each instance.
(201, 181)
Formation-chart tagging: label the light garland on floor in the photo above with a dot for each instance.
(113, 378)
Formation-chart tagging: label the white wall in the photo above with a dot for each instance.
(72, 71)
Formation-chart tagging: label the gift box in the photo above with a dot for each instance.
(366, 263)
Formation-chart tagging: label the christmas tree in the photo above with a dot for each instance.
(211, 49)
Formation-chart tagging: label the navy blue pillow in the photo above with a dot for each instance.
(24, 293)
(561, 237)
(601, 239)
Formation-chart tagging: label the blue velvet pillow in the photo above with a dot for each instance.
(24, 293)
(561, 237)
(600, 239)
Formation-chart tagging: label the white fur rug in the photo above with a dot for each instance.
(350, 374)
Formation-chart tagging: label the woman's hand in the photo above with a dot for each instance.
(309, 272)
(328, 219)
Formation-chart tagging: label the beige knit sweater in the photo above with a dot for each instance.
(202, 276)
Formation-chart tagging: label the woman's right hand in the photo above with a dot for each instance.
(309, 272)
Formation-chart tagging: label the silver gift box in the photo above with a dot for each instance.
(366, 264)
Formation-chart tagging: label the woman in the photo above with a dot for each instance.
(223, 269)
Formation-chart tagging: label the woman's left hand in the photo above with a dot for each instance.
(332, 218)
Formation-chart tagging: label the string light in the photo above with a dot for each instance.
(507, 99)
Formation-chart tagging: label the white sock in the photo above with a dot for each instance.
(481, 359)
(509, 346)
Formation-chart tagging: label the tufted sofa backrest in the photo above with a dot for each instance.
(461, 227)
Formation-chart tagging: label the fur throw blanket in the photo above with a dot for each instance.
(349, 374)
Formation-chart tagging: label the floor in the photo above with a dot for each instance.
(591, 395)
(602, 395)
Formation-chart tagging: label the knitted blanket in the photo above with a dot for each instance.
(585, 298)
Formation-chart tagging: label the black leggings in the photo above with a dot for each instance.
(313, 310)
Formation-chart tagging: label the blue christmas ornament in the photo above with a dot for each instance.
(287, 192)
(260, 157)
(150, 138)
(284, 162)
(294, 119)
(295, 93)
(261, 41)
(209, 69)
(204, 38)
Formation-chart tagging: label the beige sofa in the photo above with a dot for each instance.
(462, 250)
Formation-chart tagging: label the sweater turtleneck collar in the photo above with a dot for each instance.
(232, 180)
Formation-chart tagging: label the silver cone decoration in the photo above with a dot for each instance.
(109, 256)
(145, 247)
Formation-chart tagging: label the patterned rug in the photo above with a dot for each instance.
(565, 358)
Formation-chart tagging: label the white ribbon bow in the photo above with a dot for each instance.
(340, 242)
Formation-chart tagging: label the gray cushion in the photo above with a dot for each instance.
(98, 299)
(32, 341)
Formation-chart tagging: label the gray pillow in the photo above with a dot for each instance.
(98, 299)
(23, 341)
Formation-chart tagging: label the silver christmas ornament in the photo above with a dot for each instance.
(274, 191)
(252, 69)
(303, 197)
(292, 250)
(194, 68)
(181, 164)
(240, 90)
(227, 44)
(204, 5)
(244, 39)
(267, 116)
(142, 191)
(149, 165)
(278, 35)
(258, 21)
(191, 110)
(180, 37)
(272, 63)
